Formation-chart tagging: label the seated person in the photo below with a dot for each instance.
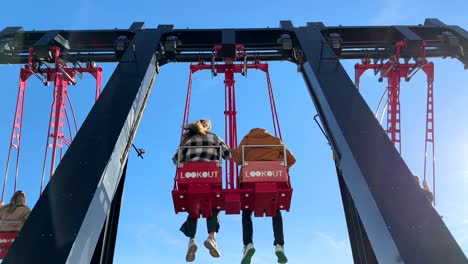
(259, 136)
(14, 214)
(426, 190)
(198, 135)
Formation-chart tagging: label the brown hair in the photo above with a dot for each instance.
(199, 127)
(18, 199)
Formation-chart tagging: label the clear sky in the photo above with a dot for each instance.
(315, 228)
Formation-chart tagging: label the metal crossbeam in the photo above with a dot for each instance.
(383, 204)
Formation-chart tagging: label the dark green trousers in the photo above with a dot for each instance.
(189, 227)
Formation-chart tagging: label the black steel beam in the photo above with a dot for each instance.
(355, 42)
(360, 244)
(104, 253)
(400, 222)
(67, 220)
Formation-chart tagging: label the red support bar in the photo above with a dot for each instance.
(15, 141)
(229, 69)
(393, 109)
(429, 139)
(393, 70)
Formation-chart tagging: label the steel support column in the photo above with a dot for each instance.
(104, 253)
(67, 220)
(400, 222)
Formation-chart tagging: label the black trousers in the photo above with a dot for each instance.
(189, 227)
(247, 228)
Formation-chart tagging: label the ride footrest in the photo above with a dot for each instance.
(264, 199)
(232, 202)
(196, 200)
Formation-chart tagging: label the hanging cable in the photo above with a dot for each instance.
(274, 113)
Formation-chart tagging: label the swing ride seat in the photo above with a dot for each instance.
(265, 187)
(6, 240)
(198, 188)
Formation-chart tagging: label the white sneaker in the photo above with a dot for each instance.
(249, 250)
(192, 248)
(279, 251)
(210, 244)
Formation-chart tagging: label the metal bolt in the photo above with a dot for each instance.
(181, 197)
(218, 195)
(283, 194)
(281, 206)
(246, 207)
(218, 207)
(246, 195)
(183, 208)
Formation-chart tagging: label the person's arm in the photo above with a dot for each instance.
(26, 214)
(290, 158)
(428, 192)
(182, 155)
(226, 151)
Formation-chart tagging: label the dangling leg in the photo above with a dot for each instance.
(277, 221)
(189, 228)
(212, 225)
(247, 236)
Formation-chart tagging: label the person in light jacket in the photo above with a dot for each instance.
(260, 136)
(14, 214)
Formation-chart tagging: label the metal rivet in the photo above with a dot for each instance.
(283, 194)
(281, 206)
(181, 197)
(218, 195)
(183, 208)
(218, 207)
(246, 195)
(246, 206)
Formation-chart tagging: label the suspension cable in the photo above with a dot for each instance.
(274, 113)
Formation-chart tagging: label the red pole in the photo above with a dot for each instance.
(429, 139)
(393, 110)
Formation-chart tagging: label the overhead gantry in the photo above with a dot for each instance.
(76, 218)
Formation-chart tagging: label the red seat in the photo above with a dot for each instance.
(6, 240)
(198, 189)
(265, 187)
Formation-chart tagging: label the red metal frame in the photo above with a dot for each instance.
(199, 188)
(6, 240)
(199, 197)
(61, 75)
(394, 70)
(429, 139)
(265, 188)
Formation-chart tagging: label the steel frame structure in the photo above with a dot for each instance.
(76, 218)
(394, 70)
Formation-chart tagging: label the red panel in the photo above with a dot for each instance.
(232, 202)
(284, 198)
(199, 200)
(265, 188)
(264, 171)
(6, 240)
(266, 196)
(198, 189)
(198, 172)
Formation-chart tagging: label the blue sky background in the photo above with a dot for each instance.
(315, 229)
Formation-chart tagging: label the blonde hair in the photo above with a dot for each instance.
(199, 127)
(18, 199)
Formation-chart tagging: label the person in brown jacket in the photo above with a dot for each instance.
(259, 136)
(14, 214)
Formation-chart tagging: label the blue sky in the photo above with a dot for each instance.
(315, 229)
